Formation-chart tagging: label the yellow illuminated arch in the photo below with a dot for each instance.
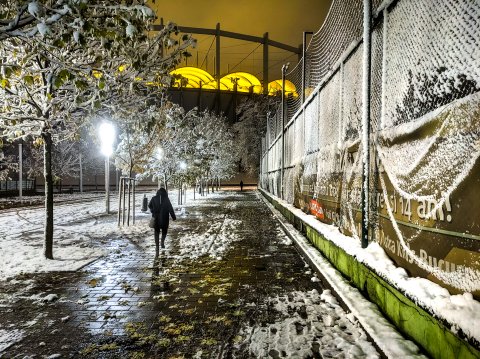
(245, 82)
(276, 86)
(193, 77)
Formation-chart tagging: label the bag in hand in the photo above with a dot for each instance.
(155, 210)
(151, 223)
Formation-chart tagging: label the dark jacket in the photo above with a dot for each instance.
(161, 208)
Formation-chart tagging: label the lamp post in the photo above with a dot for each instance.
(159, 156)
(107, 137)
(183, 166)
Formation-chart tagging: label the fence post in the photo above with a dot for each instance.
(124, 200)
(282, 174)
(367, 9)
(217, 66)
(20, 171)
(120, 200)
(133, 209)
(265, 63)
(267, 144)
(129, 201)
(304, 65)
(81, 172)
(107, 185)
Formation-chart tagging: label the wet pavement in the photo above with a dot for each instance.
(211, 298)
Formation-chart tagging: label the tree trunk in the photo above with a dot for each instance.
(47, 172)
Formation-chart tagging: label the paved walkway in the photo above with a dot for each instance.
(229, 284)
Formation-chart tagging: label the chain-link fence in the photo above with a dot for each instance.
(422, 133)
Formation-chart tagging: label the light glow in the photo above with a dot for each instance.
(159, 153)
(276, 86)
(193, 77)
(106, 132)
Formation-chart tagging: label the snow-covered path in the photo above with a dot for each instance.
(230, 284)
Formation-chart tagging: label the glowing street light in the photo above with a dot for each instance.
(107, 137)
(106, 132)
(183, 165)
(159, 153)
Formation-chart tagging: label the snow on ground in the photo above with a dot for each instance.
(10, 337)
(462, 311)
(8, 202)
(214, 242)
(77, 229)
(300, 330)
(82, 226)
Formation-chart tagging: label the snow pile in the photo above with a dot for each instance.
(214, 242)
(39, 299)
(300, 331)
(9, 338)
(461, 311)
(20, 256)
(57, 198)
(282, 238)
(77, 229)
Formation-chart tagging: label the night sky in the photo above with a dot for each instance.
(283, 20)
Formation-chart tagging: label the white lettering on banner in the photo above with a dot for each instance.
(332, 215)
(385, 241)
(394, 247)
(440, 264)
(321, 189)
(425, 209)
(332, 190)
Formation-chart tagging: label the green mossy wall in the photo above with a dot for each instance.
(413, 321)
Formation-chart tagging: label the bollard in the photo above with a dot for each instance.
(145, 203)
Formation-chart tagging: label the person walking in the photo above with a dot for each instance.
(161, 209)
(241, 185)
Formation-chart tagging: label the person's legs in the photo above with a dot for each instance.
(157, 235)
(164, 234)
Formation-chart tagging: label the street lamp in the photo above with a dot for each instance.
(159, 153)
(107, 137)
(183, 165)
